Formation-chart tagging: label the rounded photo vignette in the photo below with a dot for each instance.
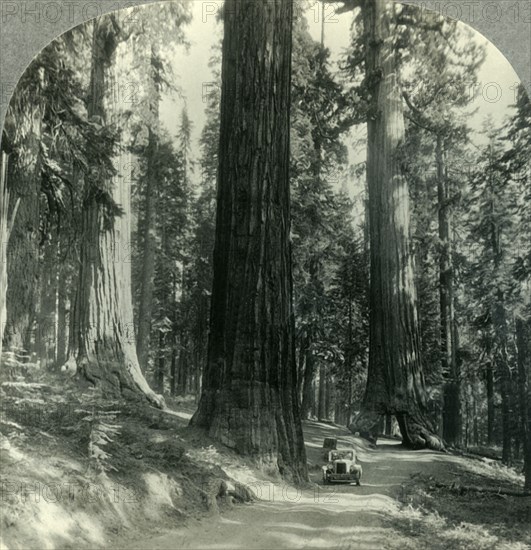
(27, 26)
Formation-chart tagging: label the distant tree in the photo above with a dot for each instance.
(156, 33)
(321, 114)
(493, 226)
(436, 108)
(149, 213)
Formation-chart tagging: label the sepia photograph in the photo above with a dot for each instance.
(265, 277)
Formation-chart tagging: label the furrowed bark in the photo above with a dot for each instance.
(395, 382)
(249, 398)
(104, 345)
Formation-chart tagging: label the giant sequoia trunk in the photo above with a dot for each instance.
(395, 383)
(104, 345)
(249, 399)
(452, 384)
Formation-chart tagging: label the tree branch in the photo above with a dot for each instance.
(419, 116)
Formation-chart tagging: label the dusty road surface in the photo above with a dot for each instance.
(344, 516)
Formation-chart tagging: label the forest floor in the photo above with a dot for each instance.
(165, 487)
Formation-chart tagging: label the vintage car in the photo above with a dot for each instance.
(342, 467)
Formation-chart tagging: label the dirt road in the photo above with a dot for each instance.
(345, 517)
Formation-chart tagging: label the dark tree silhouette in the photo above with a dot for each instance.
(249, 398)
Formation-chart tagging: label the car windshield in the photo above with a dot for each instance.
(342, 455)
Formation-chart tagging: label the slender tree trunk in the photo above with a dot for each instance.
(338, 412)
(523, 343)
(321, 406)
(395, 382)
(388, 425)
(452, 401)
(475, 426)
(315, 398)
(184, 340)
(349, 358)
(197, 377)
(489, 382)
(505, 377)
(348, 419)
(301, 364)
(183, 364)
(249, 399)
(148, 259)
(6, 224)
(499, 322)
(45, 329)
(174, 368)
(62, 326)
(4, 235)
(161, 362)
(149, 228)
(329, 400)
(308, 386)
(104, 344)
(63, 284)
(173, 371)
(467, 422)
(310, 370)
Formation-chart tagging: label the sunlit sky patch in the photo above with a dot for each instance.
(495, 93)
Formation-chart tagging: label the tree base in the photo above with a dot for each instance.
(367, 423)
(416, 430)
(418, 433)
(122, 380)
(271, 438)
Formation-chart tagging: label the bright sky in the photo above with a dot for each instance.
(497, 77)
